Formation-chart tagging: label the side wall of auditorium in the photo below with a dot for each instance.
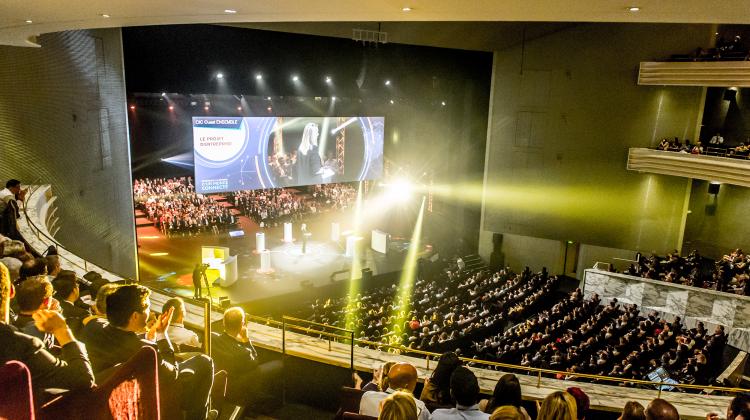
(63, 122)
(565, 108)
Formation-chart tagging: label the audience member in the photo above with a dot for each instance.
(558, 405)
(465, 390)
(33, 267)
(32, 296)
(582, 401)
(67, 293)
(401, 377)
(633, 410)
(71, 371)
(660, 409)
(98, 319)
(739, 403)
(437, 387)
(233, 351)
(9, 208)
(178, 334)
(128, 309)
(398, 406)
(507, 392)
(508, 412)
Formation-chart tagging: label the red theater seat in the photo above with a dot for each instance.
(131, 392)
(16, 398)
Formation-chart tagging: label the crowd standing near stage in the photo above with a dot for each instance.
(731, 273)
(176, 209)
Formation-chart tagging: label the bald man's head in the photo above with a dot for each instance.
(403, 376)
(660, 409)
(234, 319)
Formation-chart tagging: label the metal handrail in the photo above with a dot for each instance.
(538, 371)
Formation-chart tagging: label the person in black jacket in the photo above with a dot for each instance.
(234, 352)
(67, 293)
(71, 371)
(128, 309)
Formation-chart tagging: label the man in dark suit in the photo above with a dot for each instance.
(197, 273)
(71, 371)
(128, 309)
(67, 293)
(33, 295)
(234, 352)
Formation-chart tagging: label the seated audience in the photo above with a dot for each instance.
(32, 296)
(437, 387)
(398, 406)
(71, 371)
(176, 331)
(558, 406)
(465, 390)
(67, 292)
(660, 409)
(507, 392)
(234, 352)
(33, 267)
(633, 410)
(128, 309)
(401, 377)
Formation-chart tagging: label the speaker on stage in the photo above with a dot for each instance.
(366, 274)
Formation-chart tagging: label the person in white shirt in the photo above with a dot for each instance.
(401, 377)
(717, 140)
(465, 389)
(176, 331)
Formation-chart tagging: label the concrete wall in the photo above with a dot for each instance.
(717, 224)
(565, 109)
(63, 122)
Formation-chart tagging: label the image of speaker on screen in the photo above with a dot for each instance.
(269, 152)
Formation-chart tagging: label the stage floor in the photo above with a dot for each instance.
(292, 268)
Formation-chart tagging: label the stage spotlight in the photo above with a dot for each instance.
(132, 107)
(269, 109)
(387, 82)
(333, 99)
(205, 108)
(239, 108)
(258, 76)
(329, 80)
(400, 190)
(193, 103)
(219, 75)
(442, 103)
(295, 78)
(230, 11)
(171, 107)
(391, 101)
(268, 98)
(164, 94)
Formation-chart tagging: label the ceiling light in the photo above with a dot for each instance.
(268, 98)
(239, 108)
(333, 98)
(29, 21)
(328, 79)
(406, 9)
(206, 108)
(387, 82)
(163, 94)
(634, 9)
(104, 15)
(132, 107)
(391, 101)
(171, 107)
(295, 78)
(269, 109)
(219, 75)
(442, 103)
(258, 76)
(230, 11)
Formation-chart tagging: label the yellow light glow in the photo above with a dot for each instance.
(159, 254)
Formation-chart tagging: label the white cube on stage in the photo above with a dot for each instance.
(265, 261)
(352, 242)
(288, 232)
(335, 232)
(260, 242)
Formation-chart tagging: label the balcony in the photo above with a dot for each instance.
(700, 73)
(708, 168)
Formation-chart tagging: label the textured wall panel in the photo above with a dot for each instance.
(63, 122)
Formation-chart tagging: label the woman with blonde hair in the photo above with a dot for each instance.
(558, 406)
(398, 406)
(308, 161)
(508, 412)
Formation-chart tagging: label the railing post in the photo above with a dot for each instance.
(352, 350)
(539, 379)
(329, 343)
(659, 387)
(428, 361)
(207, 327)
(283, 360)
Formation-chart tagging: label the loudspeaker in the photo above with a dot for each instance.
(713, 188)
(366, 274)
(224, 302)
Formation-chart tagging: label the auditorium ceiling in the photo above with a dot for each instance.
(22, 20)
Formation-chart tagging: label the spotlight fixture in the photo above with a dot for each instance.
(295, 78)
(406, 9)
(391, 101)
(258, 76)
(442, 103)
(171, 107)
(219, 75)
(193, 103)
(387, 82)
(205, 107)
(328, 79)
(268, 98)
(29, 21)
(132, 107)
(239, 108)
(164, 94)
(230, 11)
(105, 16)
(333, 99)
(269, 109)
(634, 9)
